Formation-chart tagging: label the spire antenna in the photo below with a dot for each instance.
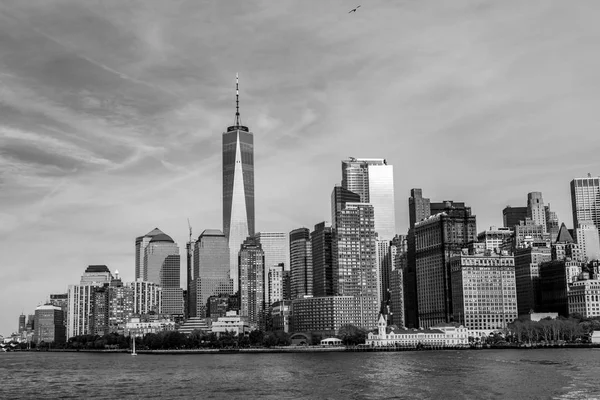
(237, 100)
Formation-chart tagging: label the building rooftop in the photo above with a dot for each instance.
(161, 237)
(211, 232)
(97, 268)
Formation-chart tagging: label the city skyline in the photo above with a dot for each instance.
(100, 144)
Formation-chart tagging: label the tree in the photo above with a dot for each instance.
(352, 335)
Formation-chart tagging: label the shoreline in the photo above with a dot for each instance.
(302, 349)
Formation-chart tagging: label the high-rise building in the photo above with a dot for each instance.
(399, 263)
(252, 281)
(496, 238)
(437, 239)
(162, 266)
(238, 187)
(276, 248)
(483, 289)
(147, 297)
(356, 272)
(120, 305)
(556, 278)
(274, 284)
(588, 240)
(96, 275)
(585, 200)
(339, 197)
(191, 278)
(527, 277)
(384, 263)
(535, 209)
(22, 323)
(419, 208)
(528, 233)
(61, 300)
(373, 180)
(301, 267)
(583, 298)
(140, 250)
(48, 324)
(322, 259)
(211, 270)
(81, 307)
(552, 224)
(512, 215)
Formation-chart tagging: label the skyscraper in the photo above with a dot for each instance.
(437, 239)
(512, 215)
(276, 248)
(211, 269)
(585, 200)
(238, 187)
(536, 210)
(339, 197)
(49, 324)
(355, 268)
(588, 240)
(322, 259)
(162, 266)
(21, 323)
(419, 208)
(140, 247)
(252, 281)
(301, 266)
(373, 180)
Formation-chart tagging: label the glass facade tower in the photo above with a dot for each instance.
(238, 188)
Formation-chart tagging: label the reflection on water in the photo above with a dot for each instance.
(508, 374)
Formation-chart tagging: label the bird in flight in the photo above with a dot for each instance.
(353, 10)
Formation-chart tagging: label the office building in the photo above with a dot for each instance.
(61, 300)
(238, 187)
(162, 266)
(496, 238)
(552, 224)
(339, 197)
(252, 281)
(437, 239)
(301, 267)
(511, 216)
(190, 304)
(373, 180)
(528, 234)
(49, 327)
(274, 284)
(276, 247)
(527, 277)
(535, 209)
(588, 240)
(140, 250)
(211, 270)
(556, 278)
(419, 208)
(565, 248)
(96, 275)
(322, 259)
(584, 299)
(22, 323)
(399, 263)
(484, 295)
(326, 315)
(585, 200)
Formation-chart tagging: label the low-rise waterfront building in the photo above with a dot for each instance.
(444, 335)
(139, 327)
(231, 323)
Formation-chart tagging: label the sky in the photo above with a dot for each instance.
(111, 116)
